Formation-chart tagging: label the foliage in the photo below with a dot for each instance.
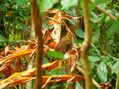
(15, 15)
(113, 29)
(15, 25)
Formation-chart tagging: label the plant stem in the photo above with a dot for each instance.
(86, 45)
(94, 82)
(37, 21)
(117, 81)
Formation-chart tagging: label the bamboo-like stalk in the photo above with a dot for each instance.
(86, 45)
(37, 22)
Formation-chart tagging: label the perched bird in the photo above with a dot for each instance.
(65, 43)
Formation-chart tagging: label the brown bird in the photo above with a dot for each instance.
(65, 43)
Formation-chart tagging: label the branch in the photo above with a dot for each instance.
(94, 82)
(106, 12)
(86, 45)
(37, 21)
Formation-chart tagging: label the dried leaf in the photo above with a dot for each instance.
(17, 78)
(50, 66)
(21, 77)
(17, 54)
(52, 45)
(6, 49)
(47, 81)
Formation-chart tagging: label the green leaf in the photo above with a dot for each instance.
(56, 86)
(2, 40)
(96, 36)
(78, 86)
(45, 60)
(71, 11)
(53, 72)
(79, 33)
(45, 5)
(98, 2)
(94, 18)
(94, 59)
(114, 28)
(102, 72)
(115, 67)
(55, 54)
(68, 3)
(21, 2)
(56, 72)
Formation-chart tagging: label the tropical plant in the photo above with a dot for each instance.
(75, 45)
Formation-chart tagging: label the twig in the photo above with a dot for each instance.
(106, 12)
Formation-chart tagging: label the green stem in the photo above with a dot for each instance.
(86, 45)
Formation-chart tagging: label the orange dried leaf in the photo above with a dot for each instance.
(76, 77)
(50, 66)
(17, 54)
(17, 78)
(52, 45)
(21, 77)
(52, 11)
(47, 81)
(47, 36)
(18, 68)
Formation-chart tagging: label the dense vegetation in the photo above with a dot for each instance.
(58, 32)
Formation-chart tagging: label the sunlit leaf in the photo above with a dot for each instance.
(102, 72)
(94, 58)
(115, 67)
(45, 5)
(94, 18)
(78, 86)
(68, 3)
(55, 54)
